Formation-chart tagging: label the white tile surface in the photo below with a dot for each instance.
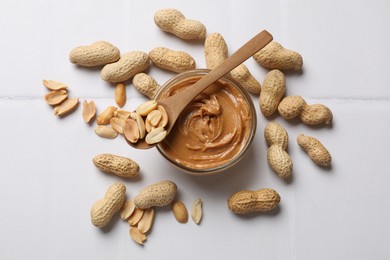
(49, 182)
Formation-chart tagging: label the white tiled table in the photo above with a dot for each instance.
(48, 182)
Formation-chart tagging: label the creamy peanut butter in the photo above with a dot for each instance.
(212, 130)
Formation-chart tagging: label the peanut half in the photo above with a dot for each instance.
(176, 61)
(293, 106)
(161, 193)
(278, 159)
(127, 209)
(98, 53)
(120, 94)
(126, 67)
(274, 56)
(196, 211)
(66, 107)
(146, 221)
(173, 21)
(103, 210)
(106, 131)
(104, 117)
(274, 87)
(179, 211)
(135, 216)
(55, 97)
(316, 151)
(54, 85)
(118, 165)
(89, 110)
(247, 201)
(137, 235)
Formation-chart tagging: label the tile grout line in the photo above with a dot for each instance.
(332, 99)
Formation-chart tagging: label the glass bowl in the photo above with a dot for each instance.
(215, 130)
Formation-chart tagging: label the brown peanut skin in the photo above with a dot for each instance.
(273, 89)
(98, 53)
(118, 165)
(176, 61)
(316, 151)
(103, 210)
(173, 21)
(275, 56)
(247, 201)
(242, 74)
(158, 194)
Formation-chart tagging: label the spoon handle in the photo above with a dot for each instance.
(241, 55)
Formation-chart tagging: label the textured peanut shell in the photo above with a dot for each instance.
(275, 56)
(247, 201)
(291, 106)
(103, 210)
(274, 133)
(173, 21)
(176, 61)
(279, 161)
(316, 151)
(126, 67)
(118, 165)
(98, 53)
(316, 114)
(246, 79)
(215, 50)
(161, 193)
(145, 85)
(272, 91)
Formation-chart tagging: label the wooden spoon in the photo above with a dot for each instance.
(174, 105)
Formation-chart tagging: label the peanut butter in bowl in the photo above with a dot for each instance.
(215, 129)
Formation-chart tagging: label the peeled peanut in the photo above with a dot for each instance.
(274, 56)
(66, 107)
(179, 211)
(145, 85)
(176, 61)
(89, 110)
(118, 165)
(98, 53)
(273, 89)
(215, 50)
(104, 117)
(120, 94)
(55, 97)
(316, 151)
(103, 210)
(173, 21)
(247, 201)
(54, 85)
(278, 159)
(161, 193)
(293, 106)
(126, 67)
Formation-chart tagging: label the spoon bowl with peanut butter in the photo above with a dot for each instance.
(174, 105)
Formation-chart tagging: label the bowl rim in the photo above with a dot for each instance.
(253, 127)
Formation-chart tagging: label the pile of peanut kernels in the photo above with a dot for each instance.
(149, 119)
